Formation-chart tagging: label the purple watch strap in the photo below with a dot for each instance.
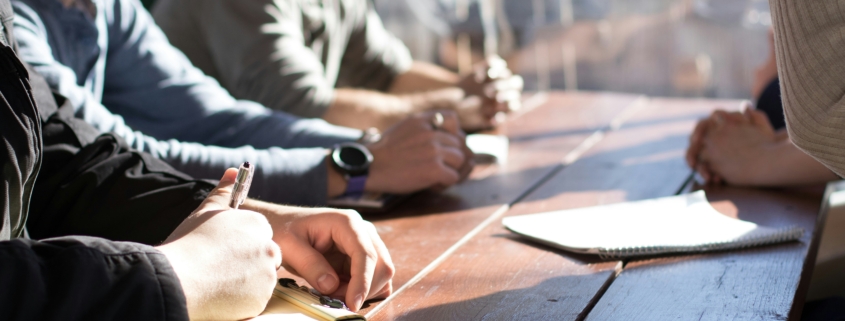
(355, 186)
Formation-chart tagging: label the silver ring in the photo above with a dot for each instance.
(437, 121)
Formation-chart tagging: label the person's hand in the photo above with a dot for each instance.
(336, 251)
(412, 155)
(734, 150)
(225, 259)
(696, 140)
(491, 89)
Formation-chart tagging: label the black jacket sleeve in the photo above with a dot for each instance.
(95, 185)
(86, 278)
(69, 278)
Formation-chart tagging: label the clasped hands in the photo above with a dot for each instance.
(733, 147)
(227, 260)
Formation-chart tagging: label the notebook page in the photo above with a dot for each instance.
(671, 224)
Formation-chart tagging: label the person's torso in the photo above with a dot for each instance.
(77, 39)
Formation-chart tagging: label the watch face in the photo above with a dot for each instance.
(352, 158)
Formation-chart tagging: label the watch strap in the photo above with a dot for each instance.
(355, 185)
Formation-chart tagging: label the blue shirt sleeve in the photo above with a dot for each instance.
(177, 112)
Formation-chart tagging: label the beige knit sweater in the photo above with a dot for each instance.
(810, 49)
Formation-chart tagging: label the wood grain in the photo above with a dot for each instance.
(424, 226)
(496, 276)
(754, 284)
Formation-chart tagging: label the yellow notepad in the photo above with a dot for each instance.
(292, 302)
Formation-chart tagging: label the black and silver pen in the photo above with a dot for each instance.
(242, 183)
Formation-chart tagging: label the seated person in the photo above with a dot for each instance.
(118, 70)
(810, 61)
(332, 60)
(752, 148)
(197, 272)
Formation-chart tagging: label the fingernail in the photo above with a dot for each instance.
(359, 301)
(326, 283)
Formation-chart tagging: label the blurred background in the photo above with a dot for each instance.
(687, 48)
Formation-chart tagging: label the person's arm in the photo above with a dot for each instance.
(294, 176)
(742, 148)
(72, 278)
(811, 63)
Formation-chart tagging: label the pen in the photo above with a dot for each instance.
(242, 182)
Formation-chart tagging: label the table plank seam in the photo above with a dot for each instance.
(622, 264)
(595, 300)
(591, 141)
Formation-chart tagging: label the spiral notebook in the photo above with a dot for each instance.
(292, 302)
(678, 224)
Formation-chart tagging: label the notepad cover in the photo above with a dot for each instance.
(677, 224)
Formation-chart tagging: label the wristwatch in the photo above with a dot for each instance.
(353, 160)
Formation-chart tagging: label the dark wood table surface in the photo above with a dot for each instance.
(455, 260)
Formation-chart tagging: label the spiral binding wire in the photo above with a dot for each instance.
(783, 235)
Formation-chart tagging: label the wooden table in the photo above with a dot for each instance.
(455, 261)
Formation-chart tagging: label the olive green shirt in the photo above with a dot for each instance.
(288, 55)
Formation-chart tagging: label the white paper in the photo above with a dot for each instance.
(684, 223)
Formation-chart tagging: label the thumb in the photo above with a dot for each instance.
(222, 194)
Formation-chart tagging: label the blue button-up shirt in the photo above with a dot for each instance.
(123, 76)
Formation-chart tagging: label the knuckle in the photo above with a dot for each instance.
(389, 270)
(352, 215)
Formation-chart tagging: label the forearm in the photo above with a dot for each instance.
(424, 76)
(787, 165)
(362, 109)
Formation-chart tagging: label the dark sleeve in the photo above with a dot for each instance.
(85, 278)
(96, 185)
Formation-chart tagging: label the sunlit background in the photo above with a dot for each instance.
(688, 48)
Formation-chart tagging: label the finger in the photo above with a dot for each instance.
(491, 107)
(722, 117)
(514, 105)
(446, 175)
(510, 84)
(451, 123)
(220, 196)
(382, 279)
(276, 254)
(385, 291)
(363, 265)
(448, 140)
(452, 157)
(696, 142)
(310, 264)
(466, 169)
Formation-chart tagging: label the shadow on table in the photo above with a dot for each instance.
(494, 190)
(657, 165)
(581, 259)
(646, 170)
(558, 298)
(587, 131)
